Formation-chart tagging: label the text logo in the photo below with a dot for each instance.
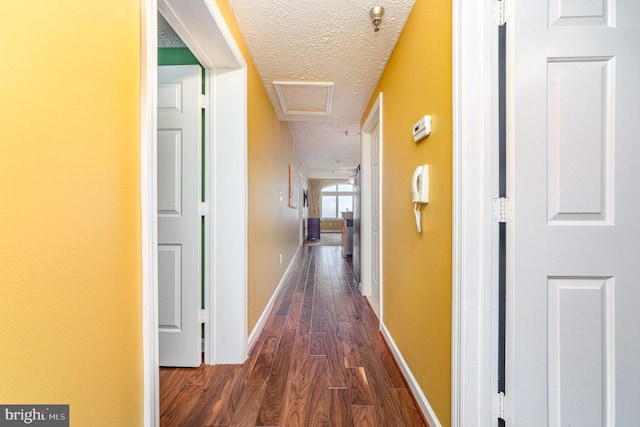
(34, 415)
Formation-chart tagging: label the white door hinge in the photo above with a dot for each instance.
(502, 209)
(500, 405)
(501, 11)
(203, 316)
(203, 100)
(204, 209)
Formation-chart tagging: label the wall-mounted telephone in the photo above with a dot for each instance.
(420, 191)
(420, 184)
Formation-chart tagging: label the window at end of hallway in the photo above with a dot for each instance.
(337, 198)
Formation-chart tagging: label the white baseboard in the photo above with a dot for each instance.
(421, 399)
(255, 333)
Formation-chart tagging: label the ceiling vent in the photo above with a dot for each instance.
(304, 98)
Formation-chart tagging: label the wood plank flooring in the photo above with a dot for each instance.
(320, 361)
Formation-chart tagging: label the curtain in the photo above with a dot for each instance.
(315, 194)
(315, 204)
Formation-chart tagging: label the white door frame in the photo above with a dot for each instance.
(374, 118)
(474, 307)
(201, 26)
(472, 365)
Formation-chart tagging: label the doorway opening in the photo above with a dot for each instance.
(202, 27)
(371, 198)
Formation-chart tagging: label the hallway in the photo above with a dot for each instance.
(320, 361)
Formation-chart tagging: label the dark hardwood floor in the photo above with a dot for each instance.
(320, 361)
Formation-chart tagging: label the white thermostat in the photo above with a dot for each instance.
(422, 129)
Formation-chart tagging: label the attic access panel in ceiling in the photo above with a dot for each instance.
(298, 100)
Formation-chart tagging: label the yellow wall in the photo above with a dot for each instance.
(273, 226)
(70, 275)
(417, 267)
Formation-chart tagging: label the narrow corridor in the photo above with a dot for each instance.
(320, 361)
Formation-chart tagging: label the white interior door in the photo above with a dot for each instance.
(375, 296)
(573, 297)
(179, 171)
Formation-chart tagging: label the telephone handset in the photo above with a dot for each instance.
(420, 191)
(420, 184)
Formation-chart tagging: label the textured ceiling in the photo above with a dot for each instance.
(322, 41)
(167, 37)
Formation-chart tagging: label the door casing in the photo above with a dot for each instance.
(200, 24)
(374, 119)
(475, 246)
(473, 174)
